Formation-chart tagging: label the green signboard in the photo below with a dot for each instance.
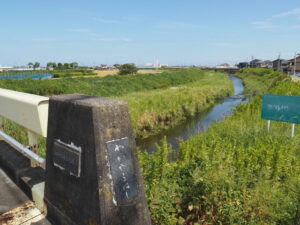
(281, 108)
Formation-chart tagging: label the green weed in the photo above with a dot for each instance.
(236, 172)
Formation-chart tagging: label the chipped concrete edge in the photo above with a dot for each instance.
(37, 192)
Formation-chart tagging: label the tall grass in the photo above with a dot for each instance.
(157, 101)
(104, 86)
(235, 173)
(157, 110)
(259, 80)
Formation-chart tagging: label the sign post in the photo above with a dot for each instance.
(281, 108)
(293, 130)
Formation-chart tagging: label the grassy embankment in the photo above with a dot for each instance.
(69, 73)
(103, 73)
(236, 172)
(62, 73)
(73, 73)
(157, 110)
(157, 101)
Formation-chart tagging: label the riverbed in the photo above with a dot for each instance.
(199, 123)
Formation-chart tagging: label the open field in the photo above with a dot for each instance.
(105, 86)
(149, 71)
(236, 172)
(295, 78)
(103, 73)
(73, 73)
(157, 101)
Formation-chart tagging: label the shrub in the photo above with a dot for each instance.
(128, 69)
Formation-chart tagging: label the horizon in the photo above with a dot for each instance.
(172, 32)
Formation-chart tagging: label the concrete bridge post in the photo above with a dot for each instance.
(92, 170)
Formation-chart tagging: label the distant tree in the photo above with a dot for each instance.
(59, 65)
(127, 69)
(30, 64)
(49, 65)
(73, 65)
(66, 65)
(116, 65)
(36, 65)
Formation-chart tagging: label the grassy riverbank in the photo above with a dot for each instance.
(109, 86)
(258, 80)
(157, 101)
(158, 110)
(236, 172)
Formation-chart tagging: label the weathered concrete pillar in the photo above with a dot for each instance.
(92, 170)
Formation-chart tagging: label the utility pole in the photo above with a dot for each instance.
(279, 63)
(296, 55)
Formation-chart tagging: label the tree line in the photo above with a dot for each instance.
(125, 69)
(54, 65)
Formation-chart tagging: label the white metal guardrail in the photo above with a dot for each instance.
(31, 112)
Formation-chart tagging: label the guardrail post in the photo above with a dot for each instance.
(1, 123)
(92, 170)
(33, 141)
(33, 145)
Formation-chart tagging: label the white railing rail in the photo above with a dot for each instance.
(31, 112)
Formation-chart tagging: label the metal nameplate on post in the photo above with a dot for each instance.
(122, 171)
(67, 157)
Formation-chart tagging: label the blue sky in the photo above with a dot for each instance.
(174, 32)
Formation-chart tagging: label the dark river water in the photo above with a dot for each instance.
(199, 123)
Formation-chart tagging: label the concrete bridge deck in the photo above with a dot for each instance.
(16, 207)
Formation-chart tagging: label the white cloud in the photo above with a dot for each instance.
(263, 25)
(269, 22)
(293, 12)
(177, 25)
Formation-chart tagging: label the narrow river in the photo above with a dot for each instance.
(199, 123)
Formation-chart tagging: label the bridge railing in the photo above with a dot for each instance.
(29, 111)
(90, 149)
